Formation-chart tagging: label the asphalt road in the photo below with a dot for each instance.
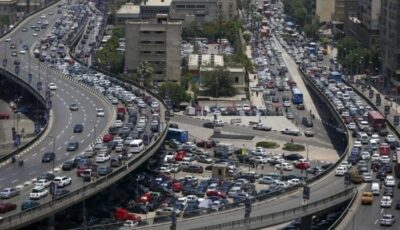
(63, 120)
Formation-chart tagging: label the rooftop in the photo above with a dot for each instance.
(198, 60)
(156, 3)
(129, 8)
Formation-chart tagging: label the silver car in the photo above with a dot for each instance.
(8, 193)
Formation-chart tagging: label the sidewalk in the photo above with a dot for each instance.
(295, 75)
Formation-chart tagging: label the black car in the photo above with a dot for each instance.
(74, 107)
(383, 132)
(191, 210)
(209, 125)
(139, 208)
(78, 128)
(307, 122)
(72, 146)
(174, 126)
(115, 162)
(398, 204)
(104, 170)
(60, 193)
(388, 191)
(293, 157)
(29, 204)
(68, 165)
(193, 169)
(47, 176)
(48, 157)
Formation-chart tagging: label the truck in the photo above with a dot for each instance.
(335, 76)
(354, 156)
(297, 96)
(177, 134)
(376, 120)
(123, 215)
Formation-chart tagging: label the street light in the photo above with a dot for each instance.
(54, 150)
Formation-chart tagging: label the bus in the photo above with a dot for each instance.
(297, 96)
(177, 134)
(397, 166)
(376, 120)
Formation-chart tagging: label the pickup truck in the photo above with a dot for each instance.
(289, 131)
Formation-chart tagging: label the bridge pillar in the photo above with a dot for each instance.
(306, 222)
(51, 222)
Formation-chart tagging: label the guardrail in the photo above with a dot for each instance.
(341, 217)
(282, 216)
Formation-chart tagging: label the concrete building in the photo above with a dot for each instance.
(390, 41)
(8, 8)
(237, 74)
(157, 41)
(128, 11)
(33, 5)
(344, 9)
(324, 10)
(198, 60)
(150, 8)
(203, 10)
(365, 24)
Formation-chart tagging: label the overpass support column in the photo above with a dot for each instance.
(306, 222)
(51, 222)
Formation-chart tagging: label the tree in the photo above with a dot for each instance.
(144, 70)
(247, 37)
(311, 30)
(176, 93)
(218, 83)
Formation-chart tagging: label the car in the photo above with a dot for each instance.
(307, 122)
(290, 131)
(101, 158)
(47, 176)
(389, 181)
(204, 159)
(390, 138)
(104, 170)
(72, 146)
(340, 171)
(100, 112)
(29, 204)
(292, 157)
(24, 29)
(48, 157)
(7, 193)
(209, 125)
(7, 207)
(262, 127)
(60, 193)
(38, 192)
(118, 124)
(8, 39)
(78, 128)
(35, 34)
(308, 132)
(367, 177)
(62, 181)
(300, 107)
(398, 204)
(4, 115)
(74, 107)
(193, 169)
(52, 86)
(387, 220)
(68, 165)
(386, 202)
(290, 115)
(284, 166)
(388, 191)
(384, 159)
(43, 183)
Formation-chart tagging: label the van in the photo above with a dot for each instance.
(363, 137)
(373, 144)
(136, 146)
(223, 150)
(375, 190)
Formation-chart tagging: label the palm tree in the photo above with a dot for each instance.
(144, 70)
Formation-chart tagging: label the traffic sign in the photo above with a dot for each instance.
(306, 192)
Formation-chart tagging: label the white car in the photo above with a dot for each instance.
(212, 187)
(389, 181)
(390, 138)
(118, 123)
(365, 155)
(101, 158)
(52, 86)
(259, 151)
(118, 139)
(386, 202)
(42, 183)
(38, 192)
(100, 112)
(182, 200)
(387, 220)
(286, 103)
(284, 166)
(294, 181)
(340, 171)
(62, 181)
(346, 165)
(8, 39)
(34, 34)
(260, 160)
(384, 159)
(375, 157)
(351, 126)
(22, 51)
(169, 156)
(357, 144)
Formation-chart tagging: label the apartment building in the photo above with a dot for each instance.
(344, 9)
(157, 41)
(390, 41)
(9, 8)
(128, 11)
(150, 8)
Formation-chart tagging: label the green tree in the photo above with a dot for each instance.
(311, 30)
(247, 37)
(176, 93)
(218, 83)
(144, 71)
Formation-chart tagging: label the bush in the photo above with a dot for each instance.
(267, 144)
(293, 147)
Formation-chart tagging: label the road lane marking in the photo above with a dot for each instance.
(58, 136)
(82, 140)
(42, 149)
(376, 221)
(33, 155)
(14, 181)
(67, 153)
(72, 137)
(59, 148)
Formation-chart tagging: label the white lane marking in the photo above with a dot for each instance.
(14, 181)
(376, 221)
(33, 155)
(62, 131)
(67, 153)
(59, 147)
(382, 210)
(72, 137)
(82, 140)
(58, 136)
(42, 149)
(89, 134)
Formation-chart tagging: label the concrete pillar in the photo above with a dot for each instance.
(51, 222)
(306, 222)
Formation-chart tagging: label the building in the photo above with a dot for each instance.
(150, 8)
(204, 10)
(157, 41)
(198, 60)
(365, 24)
(238, 74)
(344, 9)
(324, 10)
(8, 8)
(128, 11)
(31, 5)
(390, 41)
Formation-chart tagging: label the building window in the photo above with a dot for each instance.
(145, 32)
(159, 42)
(190, 6)
(159, 72)
(159, 32)
(236, 80)
(201, 6)
(145, 42)
(160, 52)
(145, 52)
(180, 6)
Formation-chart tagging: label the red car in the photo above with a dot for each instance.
(146, 198)
(180, 155)
(177, 186)
(4, 115)
(217, 193)
(205, 144)
(107, 138)
(6, 207)
(302, 165)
